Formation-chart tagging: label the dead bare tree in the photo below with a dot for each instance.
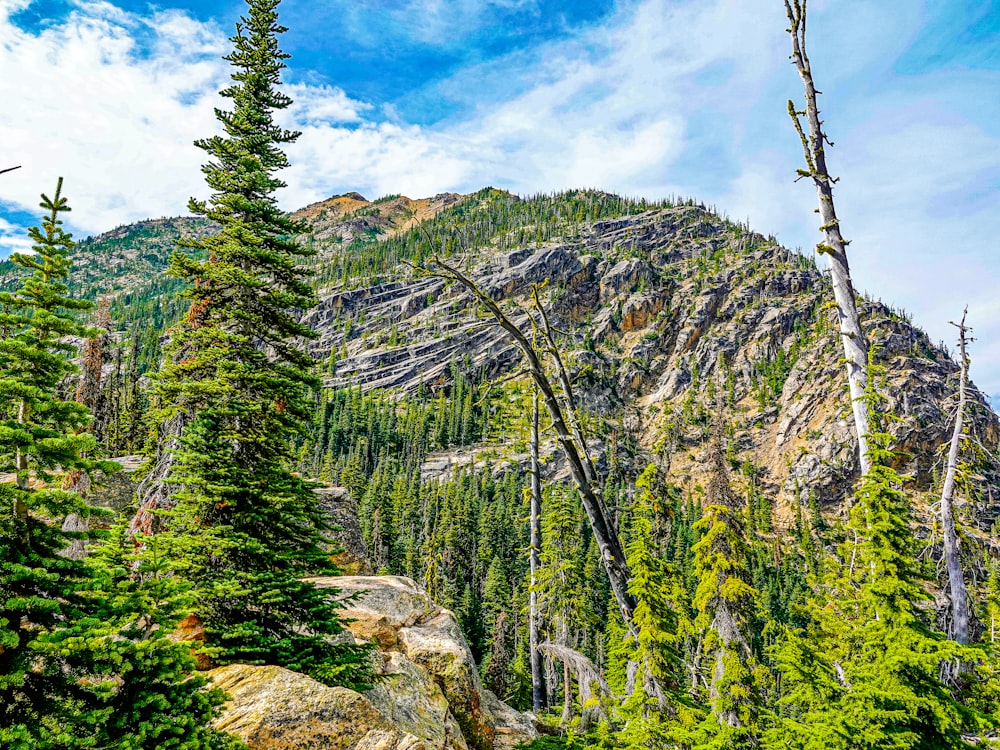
(956, 583)
(590, 683)
(569, 399)
(88, 390)
(834, 246)
(601, 523)
(537, 678)
(154, 491)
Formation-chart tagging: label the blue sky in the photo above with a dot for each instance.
(642, 97)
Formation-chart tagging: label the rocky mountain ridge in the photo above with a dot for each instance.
(659, 310)
(661, 307)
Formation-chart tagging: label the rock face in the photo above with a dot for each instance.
(277, 709)
(658, 308)
(342, 511)
(429, 698)
(655, 308)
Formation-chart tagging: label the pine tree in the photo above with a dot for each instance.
(726, 603)
(238, 380)
(140, 691)
(652, 711)
(865, 672)
(39, 434)
(84, 656)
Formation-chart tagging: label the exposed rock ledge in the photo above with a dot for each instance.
(431, 697)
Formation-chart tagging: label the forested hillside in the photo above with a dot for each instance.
(679, 328)
(590, 463)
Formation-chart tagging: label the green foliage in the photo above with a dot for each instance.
(84, 656)
(39, 434)
(247, 529)
(650, 712)
(727, 604)
(140, 690)
(865, 671)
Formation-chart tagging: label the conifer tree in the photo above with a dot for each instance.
(651, 711)
(238, 380)
(39, 435)
(726, 603)
(84, 656)
(866, 670)
(140, 690)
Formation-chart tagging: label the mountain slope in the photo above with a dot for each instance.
(660, 309)
(661, 306)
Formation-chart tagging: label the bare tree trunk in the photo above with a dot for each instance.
(567, 387)
(959, 595)
(605, 533)
(88, 391)
(834, 246)
(153, 492)
(567, 712)
(537, 679)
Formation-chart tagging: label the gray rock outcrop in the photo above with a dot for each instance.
(429, 696)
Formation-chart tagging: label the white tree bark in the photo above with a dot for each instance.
(834, 246)
(956, 583)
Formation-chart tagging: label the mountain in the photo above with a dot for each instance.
(668, 316)
(660, 304)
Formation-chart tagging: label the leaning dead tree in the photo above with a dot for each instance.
(601, 522)
(956, 583)
(568, 400)
(834, 246)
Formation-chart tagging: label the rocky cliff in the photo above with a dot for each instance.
(660, 310)
(660, 306)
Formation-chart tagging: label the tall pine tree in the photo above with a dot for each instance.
(40, 434)
(726, 602)
(237, 378)
(84, 656)
(654, 708)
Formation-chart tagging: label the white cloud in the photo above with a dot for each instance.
(312, 105)
(445, 22)
(13, 239)
(115, 119)
(664, 98)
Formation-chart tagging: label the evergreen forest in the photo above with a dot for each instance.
(655, 480)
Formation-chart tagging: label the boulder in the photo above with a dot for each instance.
(271, 708)
(416, 635)
(429, 695)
